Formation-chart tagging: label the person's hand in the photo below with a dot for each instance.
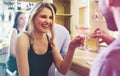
(76, 42)
(103, 36)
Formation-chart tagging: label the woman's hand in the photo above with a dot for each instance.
(76, 42)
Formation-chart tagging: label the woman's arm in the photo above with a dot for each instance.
(64, 64)
(22, 46)
(12, 38)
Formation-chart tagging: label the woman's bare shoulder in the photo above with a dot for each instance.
(13, 31)
(23, 40)
(23, 37)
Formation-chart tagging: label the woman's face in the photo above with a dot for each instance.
(21, 20)
(43, 20)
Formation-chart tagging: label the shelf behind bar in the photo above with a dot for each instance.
(64, 15)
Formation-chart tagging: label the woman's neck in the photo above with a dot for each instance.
(20, 28)
(39, 36)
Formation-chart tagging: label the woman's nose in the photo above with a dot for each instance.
(48, 20)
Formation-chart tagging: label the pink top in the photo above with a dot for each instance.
(108, 62)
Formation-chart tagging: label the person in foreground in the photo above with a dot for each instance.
(107, 63)
(36, 49)
(18, 26)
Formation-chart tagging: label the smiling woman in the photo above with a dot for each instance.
(36, 50)
(39, 23)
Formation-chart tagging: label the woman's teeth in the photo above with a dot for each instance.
(45, 26)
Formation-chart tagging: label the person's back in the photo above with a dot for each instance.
(107, 63)
(62, 38)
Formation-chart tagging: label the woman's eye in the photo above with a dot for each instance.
(43, 16)
(46, 17)
(51, 17)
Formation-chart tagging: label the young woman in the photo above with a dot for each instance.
(19, 23)
(36, 50)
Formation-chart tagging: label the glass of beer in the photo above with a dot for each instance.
(91, 44)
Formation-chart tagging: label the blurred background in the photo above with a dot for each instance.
(83, 13)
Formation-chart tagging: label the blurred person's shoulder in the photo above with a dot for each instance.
(60, 28)
(114, 48)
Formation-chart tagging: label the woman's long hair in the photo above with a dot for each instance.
(17, 14)
(38, 8)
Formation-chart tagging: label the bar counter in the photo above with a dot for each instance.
(82, 61)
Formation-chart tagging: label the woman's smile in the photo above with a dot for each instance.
(45, 25)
